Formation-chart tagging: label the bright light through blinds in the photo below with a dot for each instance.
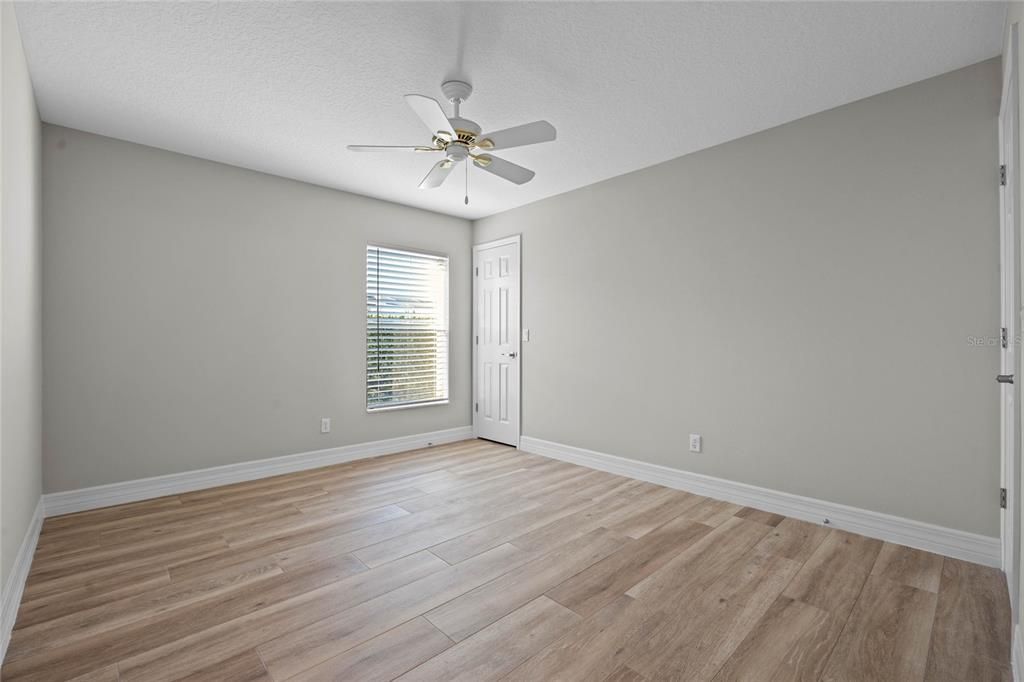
(406, 328)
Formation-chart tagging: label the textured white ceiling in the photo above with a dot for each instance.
(283, 87)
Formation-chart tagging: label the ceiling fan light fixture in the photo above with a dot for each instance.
(457, 152)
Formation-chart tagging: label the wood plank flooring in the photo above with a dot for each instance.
(474, 561)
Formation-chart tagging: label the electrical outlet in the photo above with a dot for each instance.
(325, 424)
(695, 442)
(526, 335)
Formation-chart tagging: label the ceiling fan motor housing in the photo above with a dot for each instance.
(466, 130)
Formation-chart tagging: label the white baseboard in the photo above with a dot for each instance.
(15, 584)
(1017, 655)
(958, 544)
(172, 484)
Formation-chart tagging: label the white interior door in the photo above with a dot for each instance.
(1010, 314)
(496, 331)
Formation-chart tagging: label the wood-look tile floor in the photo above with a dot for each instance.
(474, 561)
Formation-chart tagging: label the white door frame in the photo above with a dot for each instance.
(477, 248)
(1009, 244)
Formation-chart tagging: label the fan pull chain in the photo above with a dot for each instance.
(467, 182)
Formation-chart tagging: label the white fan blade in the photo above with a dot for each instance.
(431, 113)
(388, 148)
(504, 169)
(530, 133)
(437, 174)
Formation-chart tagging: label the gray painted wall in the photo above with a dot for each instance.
(802, 297)
(197, 314)
(20, 296)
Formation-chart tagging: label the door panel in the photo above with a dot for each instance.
(496, 341)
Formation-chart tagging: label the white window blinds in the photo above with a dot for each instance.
(406, 328)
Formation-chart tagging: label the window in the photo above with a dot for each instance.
(406, 328)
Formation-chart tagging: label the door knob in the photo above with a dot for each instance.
(511, 355)
(1005, 378)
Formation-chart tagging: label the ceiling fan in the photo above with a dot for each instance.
(460, 139)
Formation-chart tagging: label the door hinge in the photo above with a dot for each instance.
(1002, 174)
(1002, 498)
(1003, 339)
(476, 407)
(476, 271)
(478, 340)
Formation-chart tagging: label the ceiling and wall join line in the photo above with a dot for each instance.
(283, 87)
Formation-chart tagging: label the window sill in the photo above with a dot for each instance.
(407, 406)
